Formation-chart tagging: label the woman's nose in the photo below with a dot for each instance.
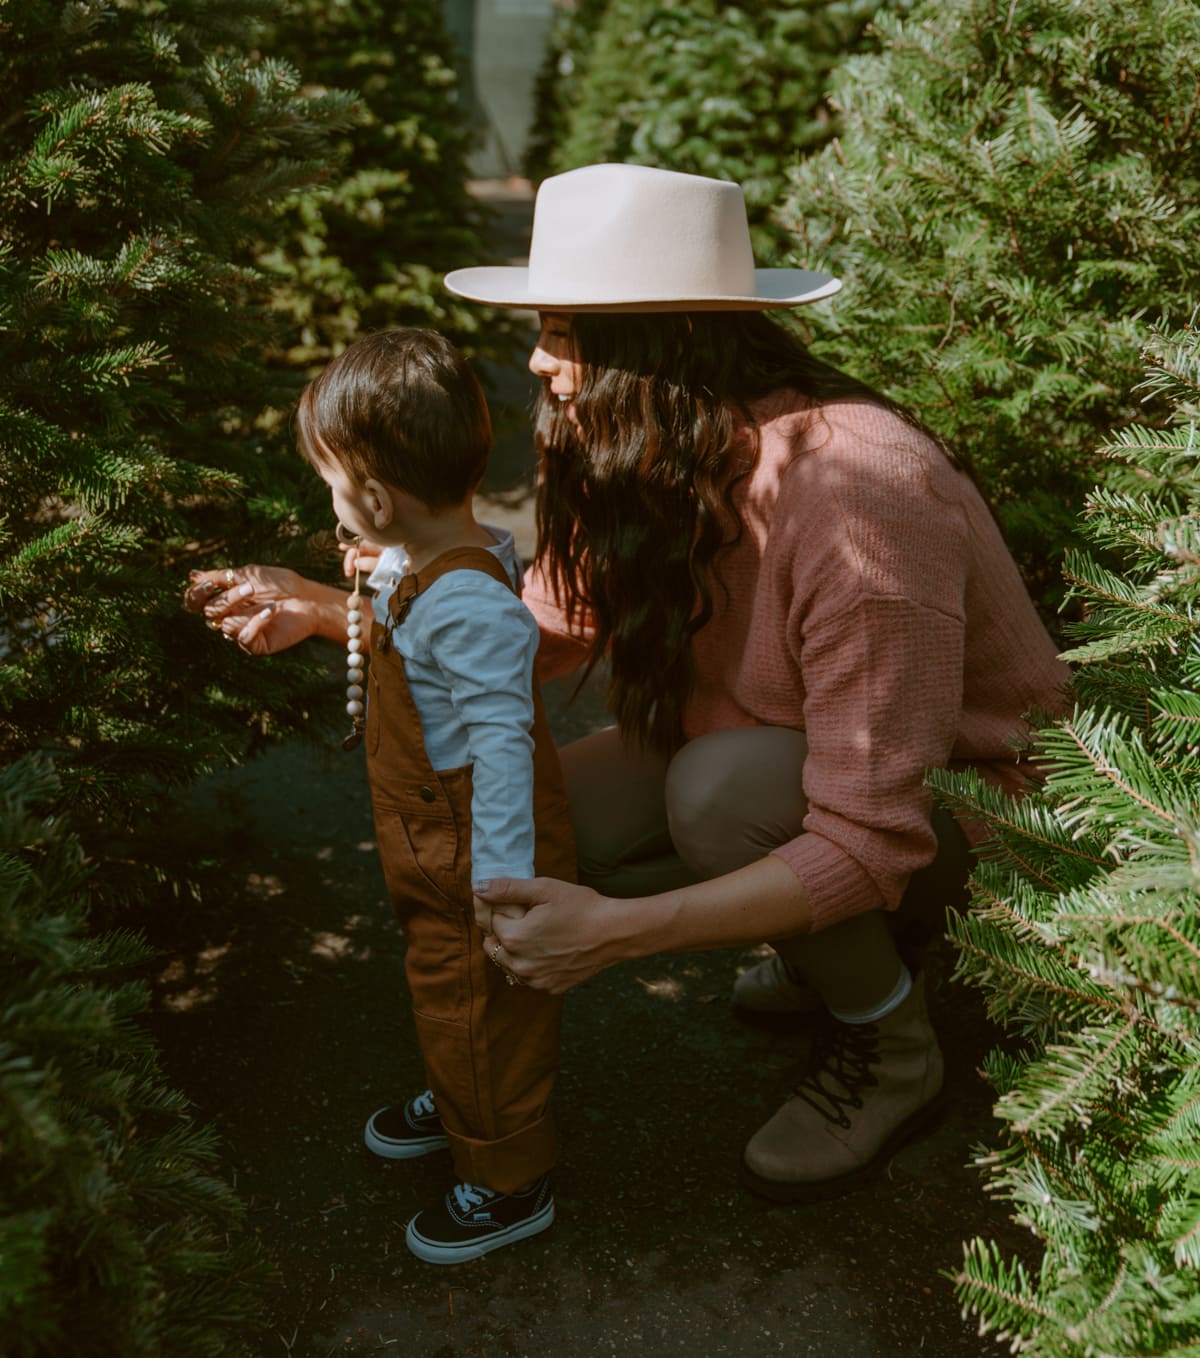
(542, 364)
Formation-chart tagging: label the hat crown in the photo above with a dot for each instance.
(639, 234)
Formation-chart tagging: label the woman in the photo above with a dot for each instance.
(805, 604)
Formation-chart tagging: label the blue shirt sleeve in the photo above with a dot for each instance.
(483, 640)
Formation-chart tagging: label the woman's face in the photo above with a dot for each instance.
(555, 358)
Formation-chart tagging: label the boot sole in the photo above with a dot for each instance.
(779, 1190)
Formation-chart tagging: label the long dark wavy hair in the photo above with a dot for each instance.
(634, 503)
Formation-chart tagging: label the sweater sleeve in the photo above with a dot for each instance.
(483, 640)
(876, 624)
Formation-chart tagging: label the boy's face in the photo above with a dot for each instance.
(353, 504)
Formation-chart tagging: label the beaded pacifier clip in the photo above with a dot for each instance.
(355, 656)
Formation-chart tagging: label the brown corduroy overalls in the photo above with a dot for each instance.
(490, 1049)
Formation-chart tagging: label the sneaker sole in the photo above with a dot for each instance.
(400, 1150)
(435, 1252)
(782, 1190)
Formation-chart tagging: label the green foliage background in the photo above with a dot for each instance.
(734, 92)
(370, 250)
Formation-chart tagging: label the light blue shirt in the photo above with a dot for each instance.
(468, 645)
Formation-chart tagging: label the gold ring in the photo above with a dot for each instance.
(212, 624)
(229, 576)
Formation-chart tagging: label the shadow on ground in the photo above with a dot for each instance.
(293, 1026)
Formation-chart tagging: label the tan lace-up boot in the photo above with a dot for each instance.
(871, 1087)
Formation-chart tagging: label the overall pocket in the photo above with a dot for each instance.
(424, 836)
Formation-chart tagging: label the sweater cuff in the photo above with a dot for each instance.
(835, 886)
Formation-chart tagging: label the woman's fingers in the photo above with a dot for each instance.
(202, 588)
(229, 601)
(254, 636)
(558, 941)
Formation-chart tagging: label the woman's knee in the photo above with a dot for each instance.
(616, 799)
(732, 796)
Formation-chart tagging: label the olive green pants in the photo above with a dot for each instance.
(644, 824)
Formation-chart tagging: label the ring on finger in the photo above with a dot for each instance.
(494, 954)
(229, 576)
(212, 624)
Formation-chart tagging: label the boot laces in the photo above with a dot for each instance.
(841, 1070)
(422, 1105)
(470, 1196)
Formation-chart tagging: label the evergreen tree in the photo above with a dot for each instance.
(370, 250)
(556, 92)
(141, 153)
(1085, 936)
(1013, 184)
(731, 92)
(114, 1229)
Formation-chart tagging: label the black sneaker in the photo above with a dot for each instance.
(403, 1131)
(471, 1221)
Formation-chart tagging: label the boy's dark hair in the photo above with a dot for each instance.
(403, 406)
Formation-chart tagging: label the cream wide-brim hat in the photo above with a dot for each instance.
(633, 238)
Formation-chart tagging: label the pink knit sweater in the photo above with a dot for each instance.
(873, 605)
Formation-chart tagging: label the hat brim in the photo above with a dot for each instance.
(508, 286)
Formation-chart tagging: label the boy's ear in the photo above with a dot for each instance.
(380, 505)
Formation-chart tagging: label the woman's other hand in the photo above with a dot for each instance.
(264, 609)
(564, 934)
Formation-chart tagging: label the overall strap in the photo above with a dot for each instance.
(456, 559)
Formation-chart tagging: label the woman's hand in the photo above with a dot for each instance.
(264, 609)
(563, 934)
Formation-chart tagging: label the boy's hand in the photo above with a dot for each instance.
(364, 557)
(484, 912)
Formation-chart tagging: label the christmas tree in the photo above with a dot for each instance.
(1084, 932)
(114, 1228)
(141, 152)
(141, 158)
(1014, 183)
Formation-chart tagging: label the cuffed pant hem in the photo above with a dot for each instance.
(510, 1163)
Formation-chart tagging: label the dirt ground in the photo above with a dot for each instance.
(288, 1024)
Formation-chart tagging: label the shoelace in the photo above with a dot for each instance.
(471, 1196)
(422, 1105)
(844, 1057)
